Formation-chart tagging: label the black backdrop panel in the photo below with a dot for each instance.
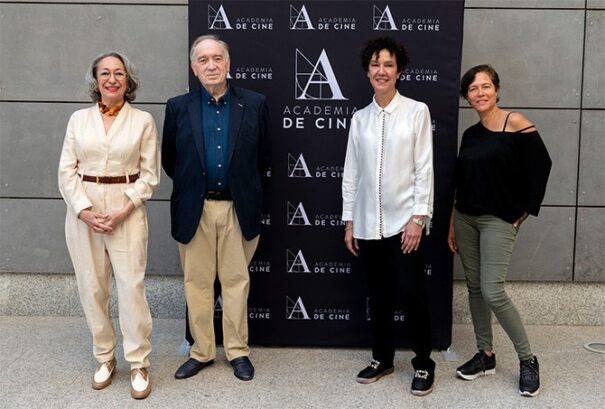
(306, 288)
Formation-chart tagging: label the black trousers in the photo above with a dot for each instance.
(396, 278)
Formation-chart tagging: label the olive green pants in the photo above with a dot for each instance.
(485, 244)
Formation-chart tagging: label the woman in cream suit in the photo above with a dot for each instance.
(109, 167)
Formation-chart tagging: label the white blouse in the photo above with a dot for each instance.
(388, 172)
(129, 147)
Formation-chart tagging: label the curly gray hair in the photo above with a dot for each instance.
(131, 76)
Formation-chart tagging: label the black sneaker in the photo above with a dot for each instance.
(529, 380)
(422, 384)
(374, 372)
(479, 365)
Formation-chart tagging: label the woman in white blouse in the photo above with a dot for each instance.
(109, 167)
(387, 191)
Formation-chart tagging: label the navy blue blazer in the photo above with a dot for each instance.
(183, 160)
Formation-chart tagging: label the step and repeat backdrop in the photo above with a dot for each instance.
(306, 288)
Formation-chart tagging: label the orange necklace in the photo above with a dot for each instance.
(109, 111)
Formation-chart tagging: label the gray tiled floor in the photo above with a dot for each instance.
(46, 362)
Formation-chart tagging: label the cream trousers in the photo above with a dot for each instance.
(218, 247)
(95, 256)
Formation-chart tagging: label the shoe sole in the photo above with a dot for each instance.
(530, 394)
(475, 376)
(366, 381)
(140, 394)
(244, 378)
(422, 393)
(101, 385)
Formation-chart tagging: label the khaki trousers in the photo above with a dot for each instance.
(218, 247)
(95, 256)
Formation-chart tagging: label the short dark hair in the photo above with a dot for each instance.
(376, 45)
(469, 77)
(131, 76)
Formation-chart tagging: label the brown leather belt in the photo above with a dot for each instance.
(110, 179)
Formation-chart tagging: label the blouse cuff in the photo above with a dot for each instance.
(423, 210)
(81, 205)
(133, 196)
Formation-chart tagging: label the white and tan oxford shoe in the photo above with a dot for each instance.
(140, 386)
(103, 374)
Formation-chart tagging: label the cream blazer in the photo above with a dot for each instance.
(129, 147)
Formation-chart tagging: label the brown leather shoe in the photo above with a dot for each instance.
(102, 377)
(140, 385)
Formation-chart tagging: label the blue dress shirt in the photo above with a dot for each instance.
(215, 115)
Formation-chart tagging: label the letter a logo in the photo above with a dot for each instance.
(383, 19)
(217, 19)
(218, 307)
(316, 80)
(297, 215)
(297, 168)
(296, 263)
(299, 19)
(295, 310)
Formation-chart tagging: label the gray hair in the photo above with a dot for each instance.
(131, 76)
(208, 37)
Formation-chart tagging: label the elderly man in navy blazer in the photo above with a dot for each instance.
(215, 148)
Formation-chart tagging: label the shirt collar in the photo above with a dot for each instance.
(390, 107)
(207, 99)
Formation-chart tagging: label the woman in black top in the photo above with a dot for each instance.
(501, 176)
